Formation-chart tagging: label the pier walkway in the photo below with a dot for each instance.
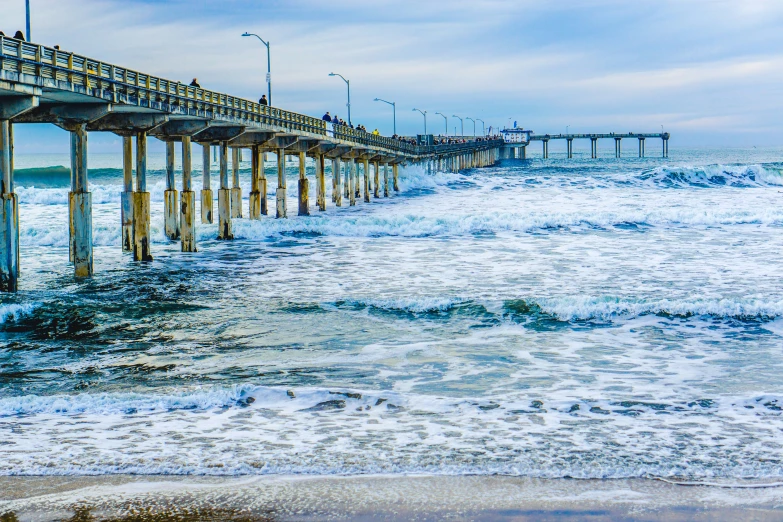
(40, 84)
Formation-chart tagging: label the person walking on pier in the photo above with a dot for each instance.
(263, 100)
(19, 35)
(326, 117)
(194, 83)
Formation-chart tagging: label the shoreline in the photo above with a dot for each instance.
(376, 497)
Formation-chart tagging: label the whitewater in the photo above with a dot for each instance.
(540, 318)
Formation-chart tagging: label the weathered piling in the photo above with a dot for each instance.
(357, 184)
(377, 186)
(395, 173)
(206, 190)
(187, 211)
(126, 198)
(304, 187)
(386, 180)
(366, 171)
(141, 204)
(280, 194)
(224, 196)
(337, 190)
(170, 207)
(9, 213)
(80, 205)
(352, 183)
(236, 190)
(320, 181)
(256, 166)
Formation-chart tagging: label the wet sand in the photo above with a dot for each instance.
(360, 498)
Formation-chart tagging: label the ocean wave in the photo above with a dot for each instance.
(13, 312)
(714, 176)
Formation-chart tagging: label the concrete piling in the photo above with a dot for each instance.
(224, 196)
(337, 190)
(352, 181)
(188, 200)
(641, 147)
(254, 205)
(617, 152)
(141, 203)
(377, 186)
(366, 170)
(170, 207)
(386, 180)
(9, 213)
(320, 180)
(280, 194)
(206, 190)
(304, 187)
(126, 198)
(357, 184)
(80, 205)
(236, 190)
(395, 172)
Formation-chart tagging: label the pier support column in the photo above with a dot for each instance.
(254, 199)
(366, 170)
(280, 193)
(141, 203)
(206, 190)
(304, 187)
(126, 198)
(386, 180)
(337, 189)
(320, 182)
(641, 147)
(236, 190)
(665, 147)
(187, 209)
(546, 148)
(617, 153)
(262, 183)
(594, 148)
(224, 196)
(353, 185)
(9, 213)
(570, 146)
(377, 186)
(395, 172)
(170, 207)
(357, 184)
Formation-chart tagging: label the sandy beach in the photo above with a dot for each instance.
(358, 498)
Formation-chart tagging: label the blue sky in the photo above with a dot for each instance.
(709, 71)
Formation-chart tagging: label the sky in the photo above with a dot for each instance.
(709, 71)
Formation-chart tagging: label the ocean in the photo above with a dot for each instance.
(540, 318)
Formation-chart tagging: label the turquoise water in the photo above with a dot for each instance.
(584, 318)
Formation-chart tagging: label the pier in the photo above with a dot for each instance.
(40, 84)
(518, 148)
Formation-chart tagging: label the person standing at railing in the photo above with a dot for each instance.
(194, 83)
(19, 35)
(263, 100)
(326, 117)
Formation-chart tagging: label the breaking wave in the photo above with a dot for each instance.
(715, 176)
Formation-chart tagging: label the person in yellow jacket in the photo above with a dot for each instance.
(376, 132)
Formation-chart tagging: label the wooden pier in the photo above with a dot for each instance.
(39, 84)
(519, 150)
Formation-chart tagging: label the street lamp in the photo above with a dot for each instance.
(461, 125)
(447, 122)
(268, 65)
(567, 128)
(27, 9)
(474, 126)
(348, 83)
(423, 113)
(394, 110)
(483, 127)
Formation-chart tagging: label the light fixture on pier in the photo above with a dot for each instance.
(423, 113)
(394, 110)
(348, 83)
(483, 127)
(474, 125)
(447, 122)
(268, 65)
(461, 125)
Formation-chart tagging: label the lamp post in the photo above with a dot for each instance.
(268, 65)
(483, 127)
(461, 125)
(394, 111)
(567, 128)
(348, 83)
(423, 113)
(27, 9)
(447, 122)
(474, 125)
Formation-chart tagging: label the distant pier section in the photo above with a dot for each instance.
(517, 141)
